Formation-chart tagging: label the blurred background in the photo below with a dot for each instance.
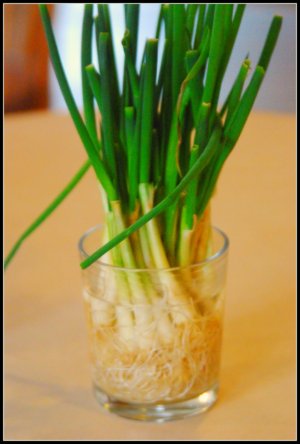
(29, 82)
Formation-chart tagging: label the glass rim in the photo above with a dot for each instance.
(218, 255)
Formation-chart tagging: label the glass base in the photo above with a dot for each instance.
(159, 412)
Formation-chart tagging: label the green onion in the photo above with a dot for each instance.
(46, 213)
(270, 42)
(165, 203)
(199, 26)
(164, 137)
(86, 139)
(130, 67)
(86, 59)
(148, 109)
(163, 141)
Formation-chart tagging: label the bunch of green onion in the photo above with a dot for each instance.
(163, 137)
(157, 152)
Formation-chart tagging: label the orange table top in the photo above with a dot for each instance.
(47, 379)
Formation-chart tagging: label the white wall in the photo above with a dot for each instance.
(277, 92)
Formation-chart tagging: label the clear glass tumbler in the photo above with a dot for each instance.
(155, 334)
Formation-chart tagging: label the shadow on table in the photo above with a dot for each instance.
(50, 394)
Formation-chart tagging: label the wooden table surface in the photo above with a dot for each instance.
(47, 378)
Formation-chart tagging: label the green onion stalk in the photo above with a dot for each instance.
(161, 144)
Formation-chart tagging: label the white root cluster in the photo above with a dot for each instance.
(146, 366)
